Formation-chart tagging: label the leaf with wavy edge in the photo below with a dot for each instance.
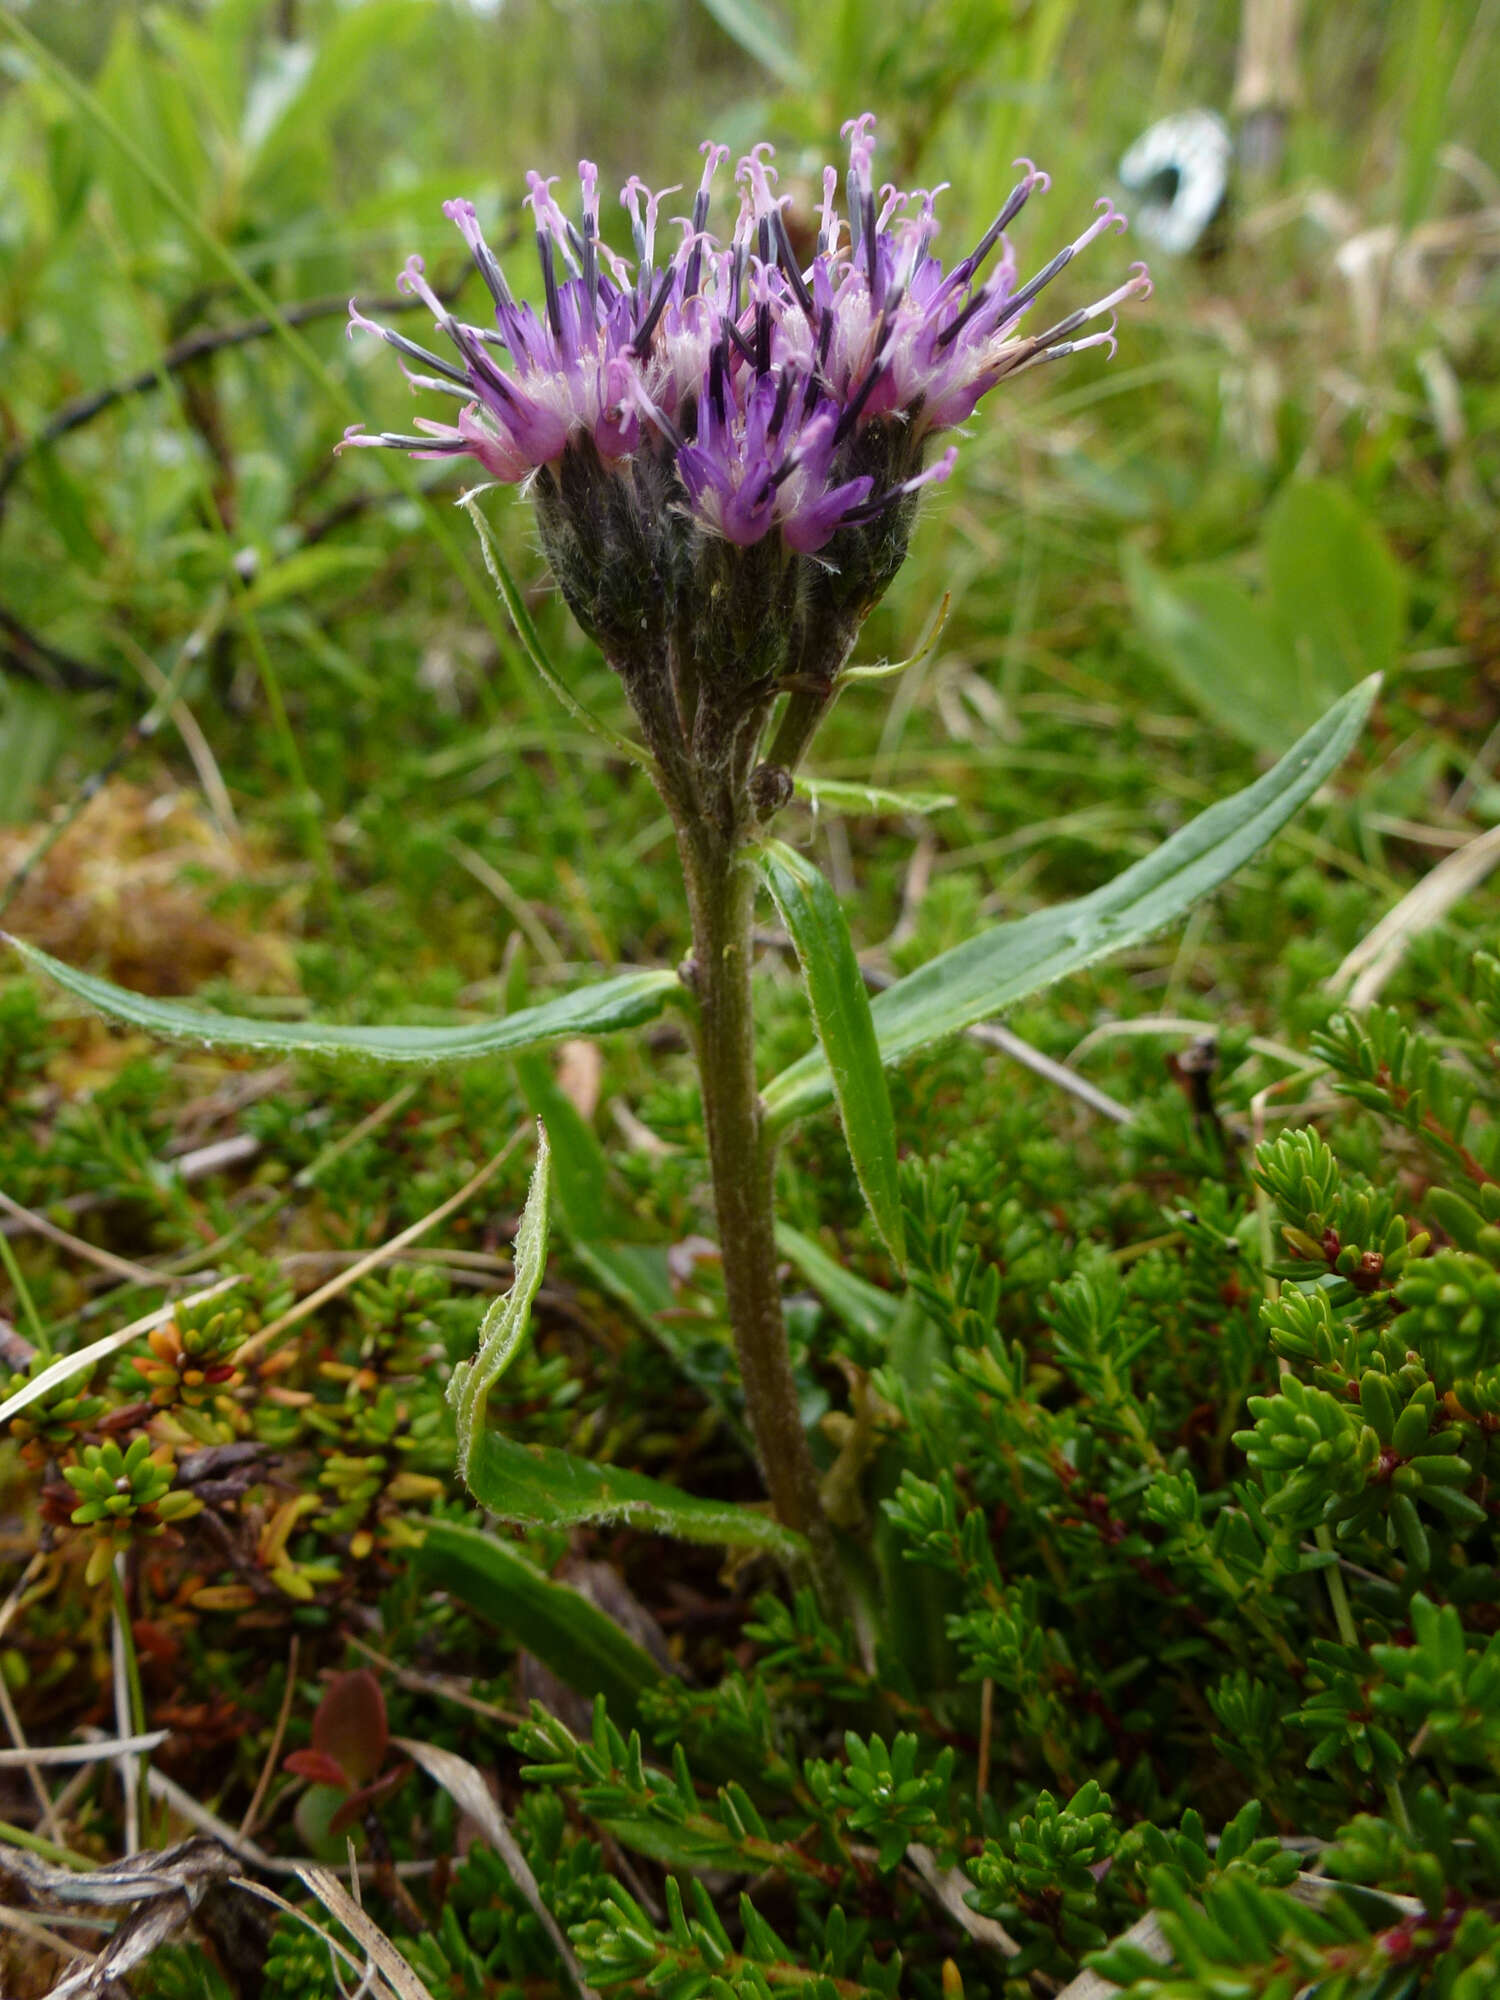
(541, 1487)
(505, 1324)
(1002, 965)
(626, 1001)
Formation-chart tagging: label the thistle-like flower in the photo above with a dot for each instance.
(726, 443)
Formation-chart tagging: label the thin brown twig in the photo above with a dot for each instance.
(118, 1267)
(33, 1773)
(986, 1739)
(27, 1926)
(268, 1769)
(23, 1584)
(437, 1685)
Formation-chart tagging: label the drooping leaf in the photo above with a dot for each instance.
(585, 1649)
(1002, 965)
(841, 1012)
(625, 1001)
(545, 1488)
(506, 1323)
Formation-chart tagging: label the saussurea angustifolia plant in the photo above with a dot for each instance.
(726, 447)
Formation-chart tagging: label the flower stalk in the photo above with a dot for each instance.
(721, 895)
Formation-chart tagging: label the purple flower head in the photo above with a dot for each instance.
(783, 398)
(726, 440)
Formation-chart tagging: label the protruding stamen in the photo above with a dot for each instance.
(402, 345)
(985, 296)
(549, 282)
(714, 157)
(932, 476)
(465, 215)
(732, 333)
(1136, 286)
(643, 232)
(788, 261)
(780, 406)
(892, 201)
(551, 220)
(1060, 352)
(1019, 300)
(828, 231)
(434, 446)
(588, 175)
(717, 369)
(1015, 201)
(856, 403)
(647, 326)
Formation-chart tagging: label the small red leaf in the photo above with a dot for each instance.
(313, 1764)
(350, 1726)
(359, 1803)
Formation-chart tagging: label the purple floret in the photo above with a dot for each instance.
(752, 374)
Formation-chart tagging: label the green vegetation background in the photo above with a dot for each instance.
(362, 805)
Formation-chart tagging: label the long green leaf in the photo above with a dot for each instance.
(1002, 965)
(585, 1649)
(623, 1002)
(841, 1012)
(544, 1488)
(505, 1324)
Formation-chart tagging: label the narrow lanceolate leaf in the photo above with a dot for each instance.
(841, 1013)
(585, 1649)
(545, 1488)
(507, 1320)
(1002, 965)
(623, 1002)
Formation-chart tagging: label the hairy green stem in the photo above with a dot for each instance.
(721, 895)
